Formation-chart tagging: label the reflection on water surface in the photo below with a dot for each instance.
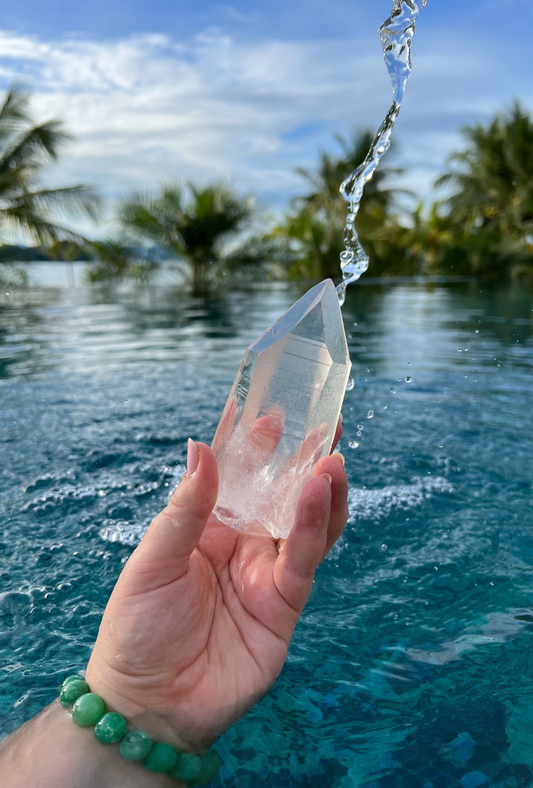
(412, 664)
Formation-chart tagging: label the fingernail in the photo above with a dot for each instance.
(340, 457)
(193, 455)
(341, 418)
(327, 477)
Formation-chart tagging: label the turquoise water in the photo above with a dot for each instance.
(412, 665)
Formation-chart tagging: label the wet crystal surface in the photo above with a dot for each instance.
(281, 414)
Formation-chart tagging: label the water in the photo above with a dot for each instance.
(411, 666)
(396, 35)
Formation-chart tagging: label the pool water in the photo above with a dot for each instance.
(413, 663)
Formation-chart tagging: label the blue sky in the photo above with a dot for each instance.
(246, 92)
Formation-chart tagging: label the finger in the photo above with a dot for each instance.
(334, 467)
(296, 564)
(265, 435)
(173, 535)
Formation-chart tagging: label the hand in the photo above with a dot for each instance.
(199, 623)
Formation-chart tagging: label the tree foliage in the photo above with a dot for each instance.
(25, 151)
(310, 237)
(490, 211)
(195, 224)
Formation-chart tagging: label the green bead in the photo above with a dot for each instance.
(210, 768)
(76, 677)
(88, 709)
(135, 746)
(188, 768)
(196, 770)
(72, 690)
(110, 728)
(161, 758)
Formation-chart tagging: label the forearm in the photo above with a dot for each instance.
(50, 751)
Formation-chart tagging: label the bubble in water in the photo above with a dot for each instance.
(353, 444)
(350, 384)
(408, 379)
(347, 257)
(393, 391)
(370, 414)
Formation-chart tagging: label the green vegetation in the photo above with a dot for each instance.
(25, 208)
(310, 237)
(481, 226)
(489, 216)
(195, 225)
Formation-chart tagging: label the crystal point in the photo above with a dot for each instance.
(281, 414)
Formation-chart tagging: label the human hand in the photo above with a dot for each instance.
(199, 623)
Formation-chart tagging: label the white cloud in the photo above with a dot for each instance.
(149, 108)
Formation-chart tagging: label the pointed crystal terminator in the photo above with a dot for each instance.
(281, 414)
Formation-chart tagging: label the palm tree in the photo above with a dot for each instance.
(195, 225)
(312, 232)
(492, 179)
(26, 209)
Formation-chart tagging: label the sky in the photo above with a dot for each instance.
(183, 90)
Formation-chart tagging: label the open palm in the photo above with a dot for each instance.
(199, 623)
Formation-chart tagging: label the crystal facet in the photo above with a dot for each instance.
(281, 414)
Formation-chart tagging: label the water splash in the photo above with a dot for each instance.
(396, 35)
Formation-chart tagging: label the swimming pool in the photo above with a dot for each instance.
(412, 665)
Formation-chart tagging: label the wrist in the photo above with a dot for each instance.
(143, 712)
(50, 751)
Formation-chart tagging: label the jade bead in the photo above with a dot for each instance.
(75, 677)
(135, 746)
(187, 769)
(72, 690)
(161, 758)
(196, 770)
(210, 768)
(110, 728)
(88, 709)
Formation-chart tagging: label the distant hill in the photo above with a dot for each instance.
(12, 253)
(68, 251)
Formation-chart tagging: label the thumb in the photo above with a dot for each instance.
(165, 549)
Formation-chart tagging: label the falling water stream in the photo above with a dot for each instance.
(396, 35)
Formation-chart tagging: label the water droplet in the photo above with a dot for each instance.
(393, 391)
(358, 433)
(384, 547)
(350, 384)
(477, 329)
(385, 407)
(353, 444)
(459, 349)
(370, 414)
(359, 426)
(408, 379)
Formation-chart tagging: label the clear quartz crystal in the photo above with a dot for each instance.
(281, 414)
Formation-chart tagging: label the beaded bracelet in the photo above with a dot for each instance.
(88, 709)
